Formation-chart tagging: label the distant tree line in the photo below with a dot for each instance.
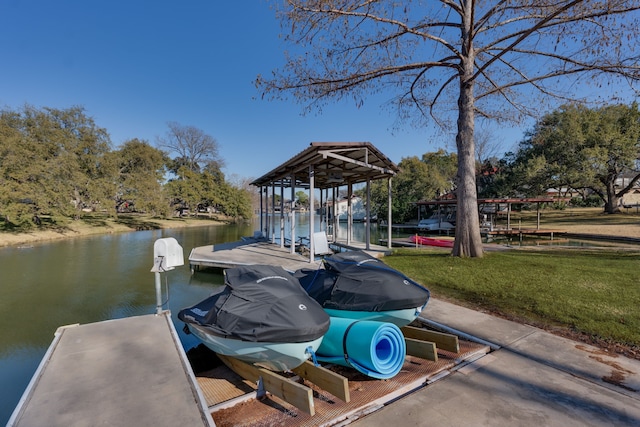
(571, 150)
(425, 178)
(58, 164)
(575, 148)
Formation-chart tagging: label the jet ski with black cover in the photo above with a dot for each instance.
(261, 316)
(356, 285)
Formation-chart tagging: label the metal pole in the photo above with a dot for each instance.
(349, 213)
(266, 213)
(323, 225)
(273, 210)
(389, 219)
(292, 216)
(158, 292)
(334, 216)
(261, 212)
(311, 214)
(282, 214)
(368, 215)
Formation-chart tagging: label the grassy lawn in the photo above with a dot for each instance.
(594, 292)
(590, 218)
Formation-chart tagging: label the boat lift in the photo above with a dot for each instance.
(167, 254)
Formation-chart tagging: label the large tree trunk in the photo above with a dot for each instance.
(468, 241)
(612, 204)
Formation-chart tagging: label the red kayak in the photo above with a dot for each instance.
(430, 241)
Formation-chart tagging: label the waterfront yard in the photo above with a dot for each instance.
(579, 220)
(591, 295)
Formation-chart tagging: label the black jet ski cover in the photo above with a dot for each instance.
(260, 303)
(356, 281)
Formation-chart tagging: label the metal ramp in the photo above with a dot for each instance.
(129, 371)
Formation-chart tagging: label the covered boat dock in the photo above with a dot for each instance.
(492, 206)
(321, 169)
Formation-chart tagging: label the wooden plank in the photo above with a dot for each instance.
(444, 341)
(291, 392)
(248, 254)
(327, 380)
(422, 349)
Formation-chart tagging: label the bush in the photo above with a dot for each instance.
(591, 201)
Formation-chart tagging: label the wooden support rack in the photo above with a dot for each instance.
(421, 343)
(288, 389)
(444, 341)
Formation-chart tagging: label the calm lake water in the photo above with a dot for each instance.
(86, 280)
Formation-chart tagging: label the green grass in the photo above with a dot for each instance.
(555, 218)
(592, 292)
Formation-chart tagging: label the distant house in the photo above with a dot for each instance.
(562, 192)
(631, 198)
(358, 208)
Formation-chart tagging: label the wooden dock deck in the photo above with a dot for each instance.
(234, 254)
(126, 372)
(229, 255)
(373, 250)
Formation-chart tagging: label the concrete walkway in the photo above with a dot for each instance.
(533, 378)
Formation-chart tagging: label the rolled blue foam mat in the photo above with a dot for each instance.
(376, 349)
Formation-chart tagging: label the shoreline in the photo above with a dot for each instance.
(81, 228)
(627, 229)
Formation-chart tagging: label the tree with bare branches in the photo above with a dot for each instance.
(452, 61)
(196, 150)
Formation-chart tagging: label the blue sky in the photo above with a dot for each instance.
(136, 65)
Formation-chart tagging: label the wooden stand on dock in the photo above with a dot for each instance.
(311, 395)
(421, 343)
(289, 390)
(424, 343)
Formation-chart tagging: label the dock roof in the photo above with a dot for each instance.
(334, 163)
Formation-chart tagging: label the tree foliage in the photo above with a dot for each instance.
(576, 147)
(236, 202)
(52, 163)
(140, 172)
(57, 164)
(452, 61)
(302, 199)
(419, 179)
